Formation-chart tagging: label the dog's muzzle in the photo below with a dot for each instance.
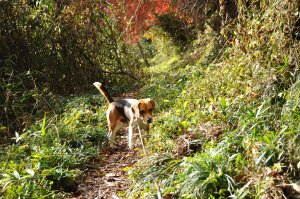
(149, 120)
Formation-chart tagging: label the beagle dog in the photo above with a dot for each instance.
(138, 112)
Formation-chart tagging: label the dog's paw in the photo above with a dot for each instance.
(131, 145)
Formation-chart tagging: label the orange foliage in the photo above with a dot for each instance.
(136, 16)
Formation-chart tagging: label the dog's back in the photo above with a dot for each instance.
(124, 106)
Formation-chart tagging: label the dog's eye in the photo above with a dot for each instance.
(142, 112)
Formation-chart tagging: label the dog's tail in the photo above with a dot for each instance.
(103, 91)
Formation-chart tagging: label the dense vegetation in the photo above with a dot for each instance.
(224, 75)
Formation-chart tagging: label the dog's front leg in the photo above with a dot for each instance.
(130, 135)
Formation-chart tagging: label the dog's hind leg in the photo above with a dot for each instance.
(113, 129)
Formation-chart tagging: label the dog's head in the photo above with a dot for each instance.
(143, 109)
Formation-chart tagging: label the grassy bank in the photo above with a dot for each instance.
(228, 114)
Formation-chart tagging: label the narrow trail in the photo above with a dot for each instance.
(105, 178)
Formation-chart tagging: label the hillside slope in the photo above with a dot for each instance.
(228, 113)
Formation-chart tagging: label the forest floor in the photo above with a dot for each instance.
(106, 177)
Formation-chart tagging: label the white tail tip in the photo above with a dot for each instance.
(97, 84)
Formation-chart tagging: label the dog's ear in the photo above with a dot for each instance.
(153, 103)
(135, 108)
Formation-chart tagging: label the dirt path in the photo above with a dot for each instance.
(105, 178)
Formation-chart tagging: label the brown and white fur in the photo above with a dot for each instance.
(120, 111)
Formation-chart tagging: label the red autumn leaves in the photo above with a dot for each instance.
(136, 16)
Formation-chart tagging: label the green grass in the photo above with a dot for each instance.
(48, 159)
